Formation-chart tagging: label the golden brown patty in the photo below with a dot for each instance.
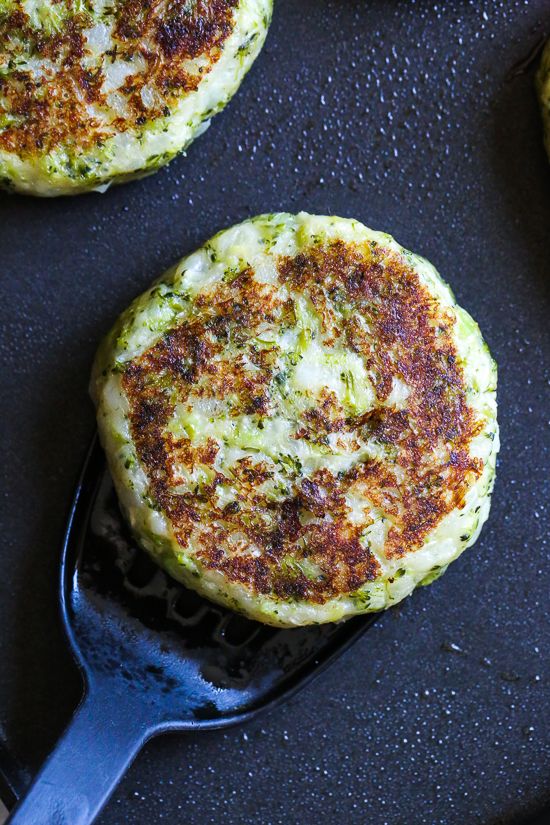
(75, 76)
(305, 424)
(430, 468)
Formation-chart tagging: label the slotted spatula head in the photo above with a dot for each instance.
(154, 657)
(197, 664)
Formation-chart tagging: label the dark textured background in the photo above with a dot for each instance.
(398, 114)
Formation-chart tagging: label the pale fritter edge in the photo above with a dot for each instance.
(543, 88)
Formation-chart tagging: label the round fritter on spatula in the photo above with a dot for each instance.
(98, 92)
(299, 420)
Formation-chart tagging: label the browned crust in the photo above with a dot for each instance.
(414, 342)
(52, 112)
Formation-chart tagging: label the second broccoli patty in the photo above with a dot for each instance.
(98, 92)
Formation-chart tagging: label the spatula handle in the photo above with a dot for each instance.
(104, 735)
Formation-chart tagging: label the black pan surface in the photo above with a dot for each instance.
(408, 116)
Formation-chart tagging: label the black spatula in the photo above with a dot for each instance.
(154, 656)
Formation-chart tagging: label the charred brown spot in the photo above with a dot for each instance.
(305, 546)
(328, 417)
(177, 35)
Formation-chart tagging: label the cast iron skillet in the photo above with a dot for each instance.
(154, 657)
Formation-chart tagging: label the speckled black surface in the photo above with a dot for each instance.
(399, 114)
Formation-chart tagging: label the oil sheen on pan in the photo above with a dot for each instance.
(95, 93)
(299, 420)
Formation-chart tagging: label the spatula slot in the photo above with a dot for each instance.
(187, 606)
(235, 631)
(142, 571)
